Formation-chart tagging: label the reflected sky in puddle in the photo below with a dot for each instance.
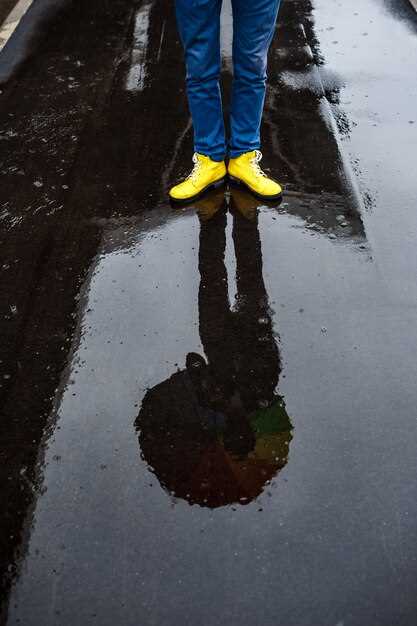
(378, 100)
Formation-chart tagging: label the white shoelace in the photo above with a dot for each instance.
(193, 176)
(255, 164)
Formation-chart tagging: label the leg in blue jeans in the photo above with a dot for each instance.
(199, 27)
(253, 29)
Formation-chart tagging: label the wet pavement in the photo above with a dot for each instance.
(208, 414)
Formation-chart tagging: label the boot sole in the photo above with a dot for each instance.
(215, 185)
(239, 183)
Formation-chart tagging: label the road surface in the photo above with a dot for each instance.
(208, 415)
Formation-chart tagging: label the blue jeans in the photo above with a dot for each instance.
(253, 29)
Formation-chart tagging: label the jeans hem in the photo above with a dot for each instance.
(234, 154)
(218, 156)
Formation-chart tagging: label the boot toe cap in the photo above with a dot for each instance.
(181, 192)
(271, 188)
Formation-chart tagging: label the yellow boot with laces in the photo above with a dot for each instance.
(245, 170)
(206, 174)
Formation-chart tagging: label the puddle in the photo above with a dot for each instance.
(144, 423)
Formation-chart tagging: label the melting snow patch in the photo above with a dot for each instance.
(137, 74)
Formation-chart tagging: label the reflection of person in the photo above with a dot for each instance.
(216, 432)
(253, 29)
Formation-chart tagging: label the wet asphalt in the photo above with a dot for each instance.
(208, 414)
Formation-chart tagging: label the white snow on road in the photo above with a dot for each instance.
(12, 21)
(137, 73)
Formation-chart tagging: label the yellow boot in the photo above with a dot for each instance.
(206, 174)
(245, 169)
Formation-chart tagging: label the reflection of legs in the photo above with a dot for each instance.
(243, 357)
(199, 27)
(259, 363)
(220, 338)
(213, 299)
(249, 278)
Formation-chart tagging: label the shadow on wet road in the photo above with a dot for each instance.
(124, 321)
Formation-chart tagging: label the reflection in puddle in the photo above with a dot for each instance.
(216, 432)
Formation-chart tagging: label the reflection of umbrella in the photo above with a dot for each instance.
(190, 447)
(222, 478)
